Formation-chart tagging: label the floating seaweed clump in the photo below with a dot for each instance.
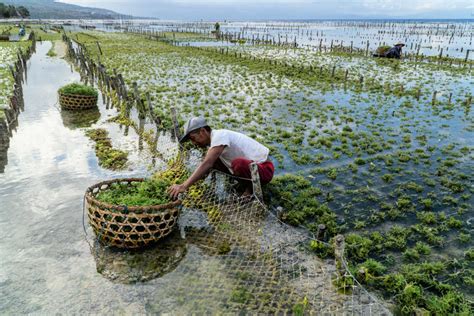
(109, 157)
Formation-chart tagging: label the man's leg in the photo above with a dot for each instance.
(241, 168)
(266, 171)
(219, 165)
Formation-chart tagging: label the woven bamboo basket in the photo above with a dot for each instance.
(129, 226)
(77, 101)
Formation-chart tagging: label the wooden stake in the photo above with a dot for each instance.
(154, 117)
(257, 187)
(175, 124)
(321, 233)
(339, 254)
(98, 46)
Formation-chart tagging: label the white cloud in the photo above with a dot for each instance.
(288, 9)
(413, 5)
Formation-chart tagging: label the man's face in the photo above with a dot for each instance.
(199, 137)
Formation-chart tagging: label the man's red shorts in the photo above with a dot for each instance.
(241, 168)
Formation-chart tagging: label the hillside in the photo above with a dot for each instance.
(10, 11)
(49, 9)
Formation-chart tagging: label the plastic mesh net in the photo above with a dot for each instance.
(265, 266)
(240, 257)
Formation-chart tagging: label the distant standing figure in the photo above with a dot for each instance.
(395, 51)
(217, 27)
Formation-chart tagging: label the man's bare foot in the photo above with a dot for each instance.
(247, 193)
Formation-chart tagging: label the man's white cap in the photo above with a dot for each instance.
(191, 125)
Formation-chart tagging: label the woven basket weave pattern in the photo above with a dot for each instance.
(129, 227)
(77, 102)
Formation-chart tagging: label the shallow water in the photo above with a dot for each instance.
(210, 43)
(431, 36)
(46, 265)
(50, 262)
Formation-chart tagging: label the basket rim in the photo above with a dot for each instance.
(91, 198)
(78, 95)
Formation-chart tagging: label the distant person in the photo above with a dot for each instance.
(395, 51)
(229, 152)
(217, 30)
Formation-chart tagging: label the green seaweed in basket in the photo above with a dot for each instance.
(381, 50)
(77, 88)
(148, 192)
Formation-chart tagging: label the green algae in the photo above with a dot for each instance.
(109, 157)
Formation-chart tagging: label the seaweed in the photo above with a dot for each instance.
(77, 88)
(148, 192)
(240, 295)
(109, 157)
(366, 141)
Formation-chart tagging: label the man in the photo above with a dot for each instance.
(395, 51)
(229, 151)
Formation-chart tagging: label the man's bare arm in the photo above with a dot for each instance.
(211, 157)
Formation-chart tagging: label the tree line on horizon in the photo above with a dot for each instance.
(10, 11)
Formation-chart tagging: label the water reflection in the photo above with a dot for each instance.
(141, 265)
(5, 133)
(141, 129)
(4, 144)
(125, 266)
(8, 125)
(80, 119)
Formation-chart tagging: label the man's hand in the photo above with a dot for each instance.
(211, 157)
(176, 189)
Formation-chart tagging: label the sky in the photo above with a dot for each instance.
(286, 9)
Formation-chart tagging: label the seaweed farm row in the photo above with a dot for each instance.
(433, 39)
(387, 161)
(427, 38)
(378, 150)
(9, 55)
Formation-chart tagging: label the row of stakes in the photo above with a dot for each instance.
(270, 40)
(335, 73)
(115, 84)
(18, 72)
